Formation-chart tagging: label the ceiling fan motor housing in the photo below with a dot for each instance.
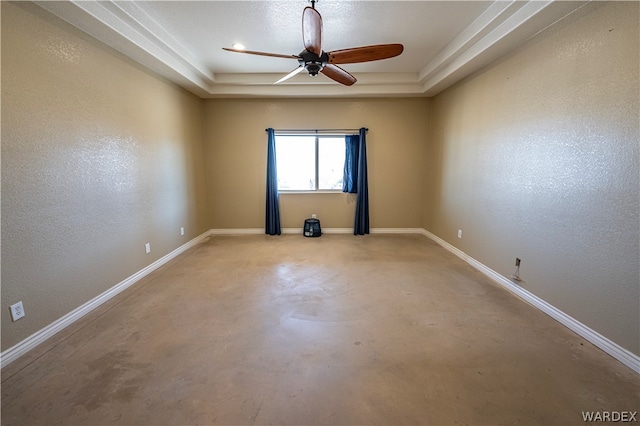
(312, 62)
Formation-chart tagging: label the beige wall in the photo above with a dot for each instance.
(236, 146)
(538, 158)
(98, 158)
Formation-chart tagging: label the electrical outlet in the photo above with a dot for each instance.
(459, 233)
(516, 274)
(182, 230)
(313, 216)
(17, 311)
(147, 248)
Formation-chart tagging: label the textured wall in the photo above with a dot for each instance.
(98, 158)
(535, 157)
(538, 158)
(236, 145)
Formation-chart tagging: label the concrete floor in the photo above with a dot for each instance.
(382, 329)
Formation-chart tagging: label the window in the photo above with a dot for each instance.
(310, 162)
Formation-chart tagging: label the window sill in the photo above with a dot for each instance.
(312, 192)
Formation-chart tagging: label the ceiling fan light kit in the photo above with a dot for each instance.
(314, 60)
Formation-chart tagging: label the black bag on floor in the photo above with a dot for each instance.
(312, 228)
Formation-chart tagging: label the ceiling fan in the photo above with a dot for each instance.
(314, 60)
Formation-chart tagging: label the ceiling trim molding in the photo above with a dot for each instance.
(125, 27)
(475, 31)
(143, 24)
(261, 79)
(316, 90)
(515, 23)
(369, 85)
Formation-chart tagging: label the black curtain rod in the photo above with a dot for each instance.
(318, 130)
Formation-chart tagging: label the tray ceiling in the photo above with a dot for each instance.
(183, 40)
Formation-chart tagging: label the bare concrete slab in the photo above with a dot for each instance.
(337, 330)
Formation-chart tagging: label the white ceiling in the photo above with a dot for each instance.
(444, 41)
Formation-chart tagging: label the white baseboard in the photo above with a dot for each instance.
(626, 357)
(21, 348)
(237, 231)
(16, 351)
(397, 230)
(331, 230)
(257, 231)
(621, 354)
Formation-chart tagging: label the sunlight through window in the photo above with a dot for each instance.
(310, 163)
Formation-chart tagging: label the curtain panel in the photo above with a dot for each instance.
(272, 220)
(350, 175)
(361, 225)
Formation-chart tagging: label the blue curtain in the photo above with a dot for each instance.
(361, 225)
(272, 221)
(350, 176)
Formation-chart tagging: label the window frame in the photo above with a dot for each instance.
(317, 137)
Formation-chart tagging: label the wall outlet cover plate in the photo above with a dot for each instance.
(17, 311)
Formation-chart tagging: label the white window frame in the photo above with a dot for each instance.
(317, 137)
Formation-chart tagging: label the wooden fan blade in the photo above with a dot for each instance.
(336, 73)
(252, 52)
(291, 74)
(312, 30)
(365, 53)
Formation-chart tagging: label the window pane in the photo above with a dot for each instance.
(295, 156)
(330, 162)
